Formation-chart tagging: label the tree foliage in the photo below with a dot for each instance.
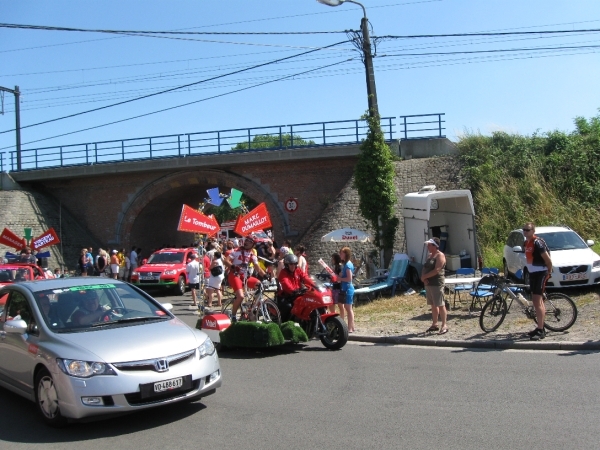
(547, 178)
(374, 181)
(265, 141)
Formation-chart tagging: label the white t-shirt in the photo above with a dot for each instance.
(241, 258)
(193, 271)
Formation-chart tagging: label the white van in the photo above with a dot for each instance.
(448, 215)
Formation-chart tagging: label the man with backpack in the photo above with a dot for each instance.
(539, 266)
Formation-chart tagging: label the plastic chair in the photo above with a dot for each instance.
(484, 290)
(458, 288)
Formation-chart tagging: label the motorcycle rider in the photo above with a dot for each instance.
(292, 278)
(238, 262)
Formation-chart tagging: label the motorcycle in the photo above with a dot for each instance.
(310, 310)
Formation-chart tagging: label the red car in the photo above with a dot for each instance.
(11, 272)
(164, 269)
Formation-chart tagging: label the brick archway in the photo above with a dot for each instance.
(198, 178)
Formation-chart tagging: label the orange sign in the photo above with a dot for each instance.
(48, 238)
(10, 239)
(255, 220)
(194, 221)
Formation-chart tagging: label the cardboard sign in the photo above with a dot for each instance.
(255, 220)
(47, 238)
(194, 221)
(11, 240)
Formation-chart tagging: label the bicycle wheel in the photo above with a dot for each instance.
(493, 314)
(269, 312)
(240, 313)
(561, 312)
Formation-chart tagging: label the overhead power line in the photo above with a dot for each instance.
(176, 88)
(180, 33)
(189, 103)
(505, 33)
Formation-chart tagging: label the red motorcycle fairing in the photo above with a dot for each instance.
(326, 316)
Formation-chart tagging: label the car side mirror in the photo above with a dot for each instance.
(518, 249)
(590, 243)
(18, 326)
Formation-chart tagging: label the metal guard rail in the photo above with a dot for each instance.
(315, 134)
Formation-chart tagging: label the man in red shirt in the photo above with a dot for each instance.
(291, 278)
(539, 266)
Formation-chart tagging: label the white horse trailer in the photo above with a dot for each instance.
(448, 215)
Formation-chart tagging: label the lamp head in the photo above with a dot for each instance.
(331, 2)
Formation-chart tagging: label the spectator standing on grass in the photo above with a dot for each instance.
(336, 286)
(539, 266)
(433, 278)
(193, 272)
(346, 296)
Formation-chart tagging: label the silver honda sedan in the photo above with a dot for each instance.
(81, 347)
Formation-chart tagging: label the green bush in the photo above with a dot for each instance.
(293, 332)
(549, 178)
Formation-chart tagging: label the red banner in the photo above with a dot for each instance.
(194, 221)
(46, 239)
(11, 240)
(257, 219)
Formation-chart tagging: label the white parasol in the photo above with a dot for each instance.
(346, 235)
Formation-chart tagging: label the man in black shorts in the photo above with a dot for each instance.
(539, 266)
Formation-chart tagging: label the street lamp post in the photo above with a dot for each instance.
(367, 55)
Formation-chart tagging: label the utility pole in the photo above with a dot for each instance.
(370, 72)
(17, 94)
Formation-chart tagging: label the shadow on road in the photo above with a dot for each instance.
(22, 424)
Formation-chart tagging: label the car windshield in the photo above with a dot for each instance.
(563, 240)
(166, 258)
(83, 308)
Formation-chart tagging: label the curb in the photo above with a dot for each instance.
(500, 345)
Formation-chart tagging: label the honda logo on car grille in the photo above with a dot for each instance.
(162, 365)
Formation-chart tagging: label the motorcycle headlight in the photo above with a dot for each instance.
(84, 369)
(207, 348)
(596, 264)
(170, 272)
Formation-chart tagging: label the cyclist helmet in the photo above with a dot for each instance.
(290, 259)
(249, 238)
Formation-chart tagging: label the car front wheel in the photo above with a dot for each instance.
(180, 288)
(46, 399)
(505, 268)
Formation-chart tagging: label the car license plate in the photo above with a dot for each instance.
(167, 385)
(575, 276)
(148, 277)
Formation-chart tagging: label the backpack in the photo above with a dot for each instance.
(216, 271)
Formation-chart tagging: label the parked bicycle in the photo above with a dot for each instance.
(255, 306)
(561, 311)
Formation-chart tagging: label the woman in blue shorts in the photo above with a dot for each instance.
(347, 287)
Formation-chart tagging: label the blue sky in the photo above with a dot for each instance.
(62, 73)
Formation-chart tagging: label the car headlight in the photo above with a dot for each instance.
(596, 264)
(84, 369)
(135, 273)
(170, 272)
(207, 348)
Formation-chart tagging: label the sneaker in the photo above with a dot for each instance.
(233, 320)
(539, 335)
(533, 332)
